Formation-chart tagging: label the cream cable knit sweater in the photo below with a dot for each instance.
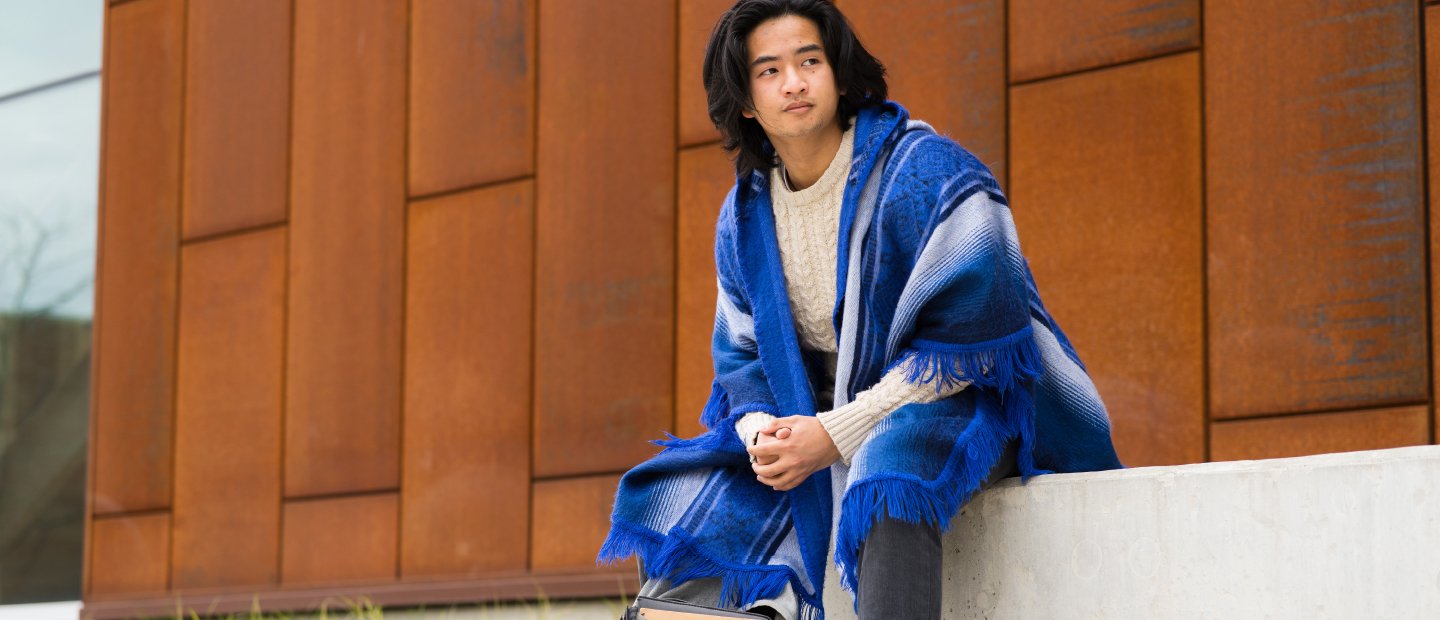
(807, 225)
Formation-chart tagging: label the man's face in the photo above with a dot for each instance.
(791, 83)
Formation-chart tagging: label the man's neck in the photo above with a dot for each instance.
(806, 159)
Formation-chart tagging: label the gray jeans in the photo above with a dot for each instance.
(899, 572)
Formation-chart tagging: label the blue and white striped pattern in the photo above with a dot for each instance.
(929, 274)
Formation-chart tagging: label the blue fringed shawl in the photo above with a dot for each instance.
(929, 274)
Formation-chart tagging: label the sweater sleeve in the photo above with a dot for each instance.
(851, 423)
(750, 424)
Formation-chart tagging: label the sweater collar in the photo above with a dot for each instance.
(834, 174)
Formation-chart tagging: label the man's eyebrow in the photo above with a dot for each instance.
(763, 59)
(813, 47)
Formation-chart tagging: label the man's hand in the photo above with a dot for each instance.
(790, 449)
(763, 438)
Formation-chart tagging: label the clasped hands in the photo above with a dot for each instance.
(789, 450)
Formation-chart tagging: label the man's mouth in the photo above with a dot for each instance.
(798, 107)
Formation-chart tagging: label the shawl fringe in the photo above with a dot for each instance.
(1001, 364)
(721, 440)
(715, 407)
(625, 540)
(1020, 417)
(678, 558)
(709, 440)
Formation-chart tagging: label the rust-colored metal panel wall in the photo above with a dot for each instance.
(444, 297)
(472, 92)
(467, 382)
(1048, 39)
(1318, 433)
(237, 109)
(1106, 196)
(605, 253)
(946, 65)
(697, 20)
(340, 539)
(228, 410)
(706, 174)
(130, 554)
(1315, 220)
(570, 521)
(347, 248)
(140, 228)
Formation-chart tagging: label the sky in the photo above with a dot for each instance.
(49, 153)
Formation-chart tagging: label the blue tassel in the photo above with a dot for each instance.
(1001, 364)
(625, 540)
(1020, 421)
(716, 406)
(722, 440)
(709, 440)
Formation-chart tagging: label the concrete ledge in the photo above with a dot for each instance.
(1352, 535)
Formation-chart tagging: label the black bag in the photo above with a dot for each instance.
(646, 608)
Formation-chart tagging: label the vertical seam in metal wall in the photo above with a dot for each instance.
(1205, 418)
(404, 287)
(179, 267)
(87, 563)
(1422, 45)
(1005, 81)
(675, 230)
(285, 310)
(534, 51)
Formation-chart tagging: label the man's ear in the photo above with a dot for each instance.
(747, 114)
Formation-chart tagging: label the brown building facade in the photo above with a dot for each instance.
(390, 293)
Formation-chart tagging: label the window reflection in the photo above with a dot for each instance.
(49, 150)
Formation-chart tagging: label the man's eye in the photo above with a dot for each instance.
(811, 61)
(767, 71)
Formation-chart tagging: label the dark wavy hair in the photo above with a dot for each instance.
(727, 73)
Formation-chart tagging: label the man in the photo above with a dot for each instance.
(880, 350)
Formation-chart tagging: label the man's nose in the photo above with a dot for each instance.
(794, 82)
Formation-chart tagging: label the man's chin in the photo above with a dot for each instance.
(799, 130)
